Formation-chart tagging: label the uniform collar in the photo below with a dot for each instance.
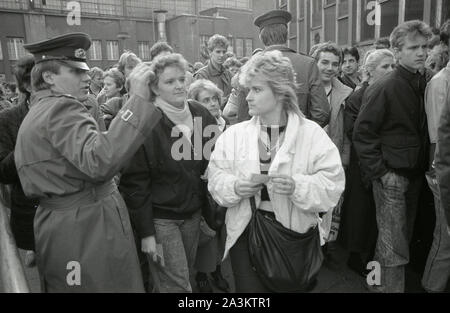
(279, 47)
(41, 94)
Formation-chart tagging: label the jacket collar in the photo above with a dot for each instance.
(339, 93)
(213, 71)
(280, 48)
(407, 74)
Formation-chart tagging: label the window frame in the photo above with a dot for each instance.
(17, 49)
(109, 50)
(93, 56)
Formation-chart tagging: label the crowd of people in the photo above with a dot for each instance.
(115, 168)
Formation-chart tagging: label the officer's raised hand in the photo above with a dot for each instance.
(139, 81)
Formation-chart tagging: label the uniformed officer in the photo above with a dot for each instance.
(311, 95)
(84, 241)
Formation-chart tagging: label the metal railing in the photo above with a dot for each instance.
(12, 274)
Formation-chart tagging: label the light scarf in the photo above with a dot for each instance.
(182, 118)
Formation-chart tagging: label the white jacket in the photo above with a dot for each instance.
(307, 155)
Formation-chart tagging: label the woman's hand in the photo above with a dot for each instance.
(148, 246)
(247, 189)
(283, 184)
(139, 81)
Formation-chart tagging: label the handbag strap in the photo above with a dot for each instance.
(253, 204)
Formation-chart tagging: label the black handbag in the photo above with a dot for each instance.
(285, 261)
(213, 213)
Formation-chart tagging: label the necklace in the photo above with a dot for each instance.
(267, 135)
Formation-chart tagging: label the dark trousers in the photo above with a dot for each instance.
(246, 279)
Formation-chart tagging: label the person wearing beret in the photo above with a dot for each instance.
(83, 236)
(311, 95)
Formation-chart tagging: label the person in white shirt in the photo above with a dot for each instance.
(303, 166)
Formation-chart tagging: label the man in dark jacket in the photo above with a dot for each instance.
(391, 140)
(311, 95)
(214, 70)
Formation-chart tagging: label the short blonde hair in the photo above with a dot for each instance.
(372, 59)
(116, 75)
(128, 58)
(402, 31)
(203, 84)
(160, 63)
(279, 74)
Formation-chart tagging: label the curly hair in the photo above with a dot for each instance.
(217, 41)
(203, 84)
(279, 74)
(232, 62)
(160, 63)
(158, 48)
(116, 75)
(128, 58)
(328, 47)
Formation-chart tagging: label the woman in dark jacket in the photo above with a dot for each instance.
(22, 208)
(211, 244)
(358, 231)
(162, 186)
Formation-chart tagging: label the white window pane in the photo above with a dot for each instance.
(239, 47)
(15, 48)
(95, 52)
(112, 50)
(248, 47)
(144, 50)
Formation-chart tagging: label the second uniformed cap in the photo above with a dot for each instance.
(69, 48)
(273, 17)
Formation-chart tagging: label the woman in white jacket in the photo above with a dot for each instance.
(303, 167)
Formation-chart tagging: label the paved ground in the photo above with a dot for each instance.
(337, 280)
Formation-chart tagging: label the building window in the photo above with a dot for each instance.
(316, 13)
(414, 10)
(144, 50)
(239, 46)
(389, 17)
(112, 49)
(234, 4)
(282, 4)
(343, 8)
(204, 40)
(95, 52)
(15, 48)
(367, 20)
(1, 52)
(248, 47)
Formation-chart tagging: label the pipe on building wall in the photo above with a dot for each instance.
(12, 275)
(161, 22)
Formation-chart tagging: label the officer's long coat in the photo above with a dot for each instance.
(84, 241)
